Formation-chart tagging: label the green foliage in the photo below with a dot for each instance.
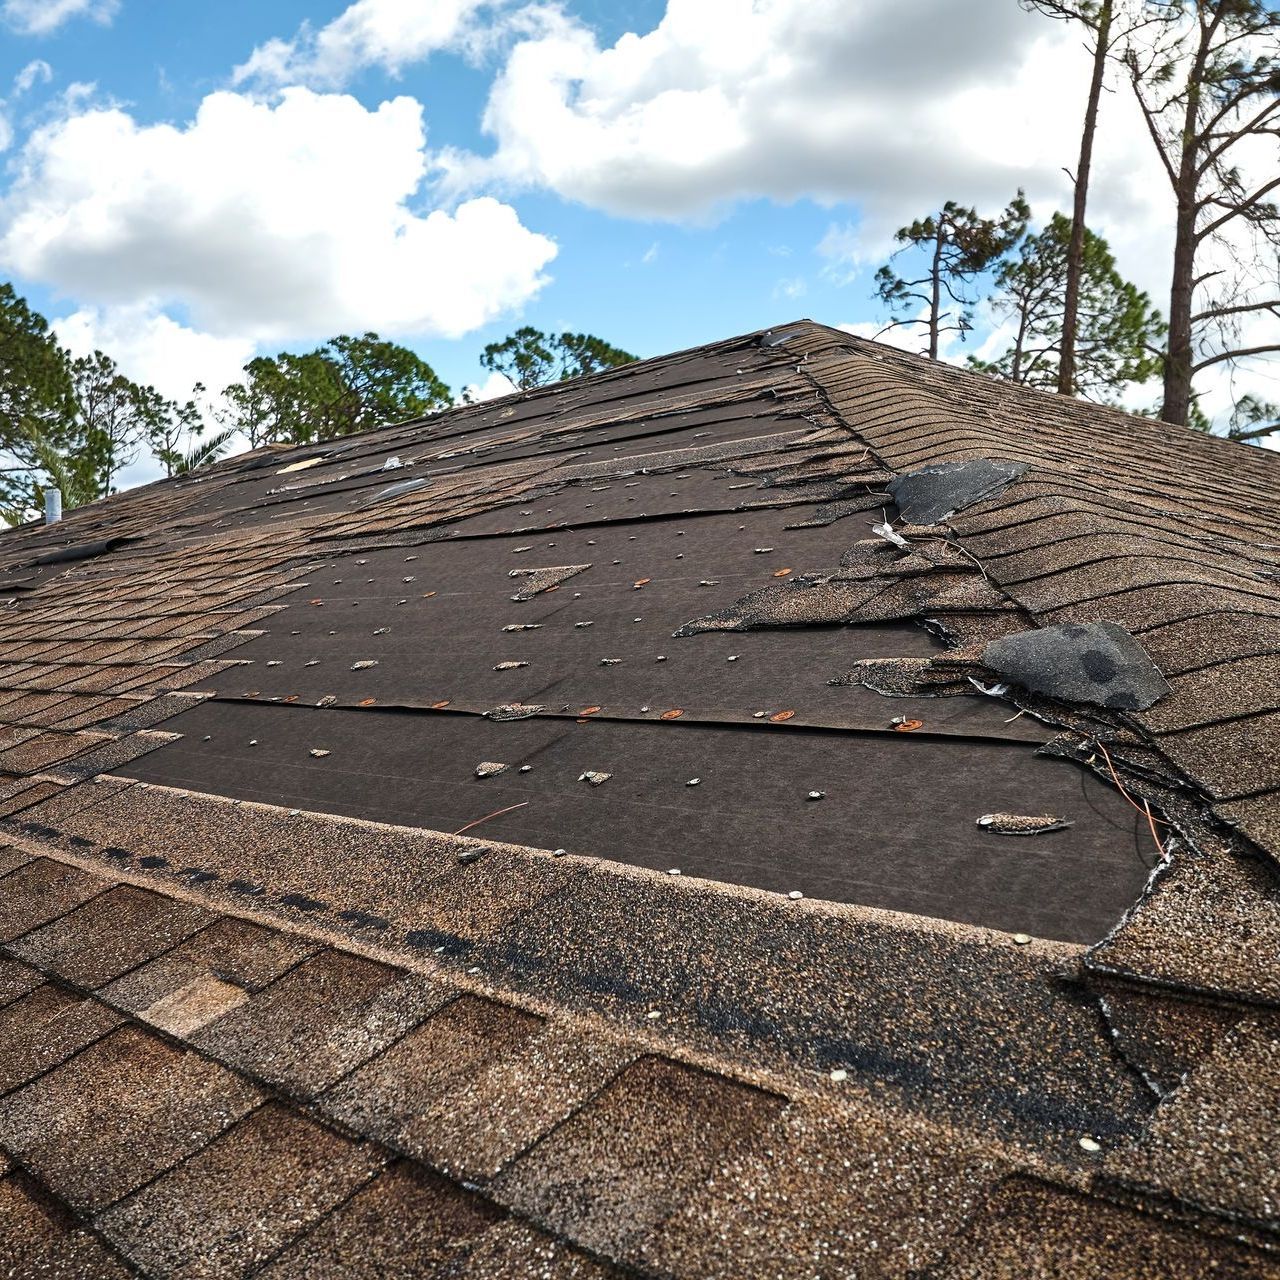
(1252, 420)
(958, 247)
(1118, 334)
(347, 385)
(76, 474)
(531, 358)
(35, 398)
(201, 452)
(113, 416)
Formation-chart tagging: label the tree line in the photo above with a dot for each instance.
(1205, 77)
(75, 423)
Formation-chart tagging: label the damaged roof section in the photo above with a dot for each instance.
(1090, 662)
(742, 745)
(933, 494)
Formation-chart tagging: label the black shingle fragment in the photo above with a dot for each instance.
(1093, 662)
(933, 493)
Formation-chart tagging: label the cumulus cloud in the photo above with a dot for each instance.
(40, 17)
(154, 349)
(390, 34)
(730, 99)
(264, 220)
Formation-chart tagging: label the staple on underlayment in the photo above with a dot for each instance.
(1019, 824)
(1087, 662)
(933, 493)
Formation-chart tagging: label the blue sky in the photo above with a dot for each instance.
(647, 284)
(186, 184)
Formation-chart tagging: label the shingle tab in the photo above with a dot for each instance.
(116, 1114)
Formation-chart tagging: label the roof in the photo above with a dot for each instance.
(543, 840)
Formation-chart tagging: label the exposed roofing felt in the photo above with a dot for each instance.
(569, 837)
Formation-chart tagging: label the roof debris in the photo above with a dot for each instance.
(515, 711)
(593, 777)
(509, 665)
(490, 768)
(1016, 824)
(547, 579)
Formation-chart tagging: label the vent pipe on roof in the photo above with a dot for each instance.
(52, 506)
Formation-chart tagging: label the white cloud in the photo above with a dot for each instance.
(37, 71)
(495, 385)
(264, 221)
(390, 34)
(40, 17)
(153, 349)
(730, 99)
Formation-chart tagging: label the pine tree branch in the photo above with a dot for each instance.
(1268, 348)
(1272, 304)
(1239, 209)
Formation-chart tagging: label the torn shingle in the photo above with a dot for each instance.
(1095, 662)
(931, 494)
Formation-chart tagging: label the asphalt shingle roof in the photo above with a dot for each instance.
(346, 787)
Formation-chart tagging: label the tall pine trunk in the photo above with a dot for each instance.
(935, 294)
(1075, 249)
(1179, 360)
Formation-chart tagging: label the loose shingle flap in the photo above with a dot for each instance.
(936, 492)
(84, 550)
(1096, 662)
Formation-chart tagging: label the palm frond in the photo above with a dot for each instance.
(205, 451)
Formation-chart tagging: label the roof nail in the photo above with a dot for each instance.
(795, 895)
